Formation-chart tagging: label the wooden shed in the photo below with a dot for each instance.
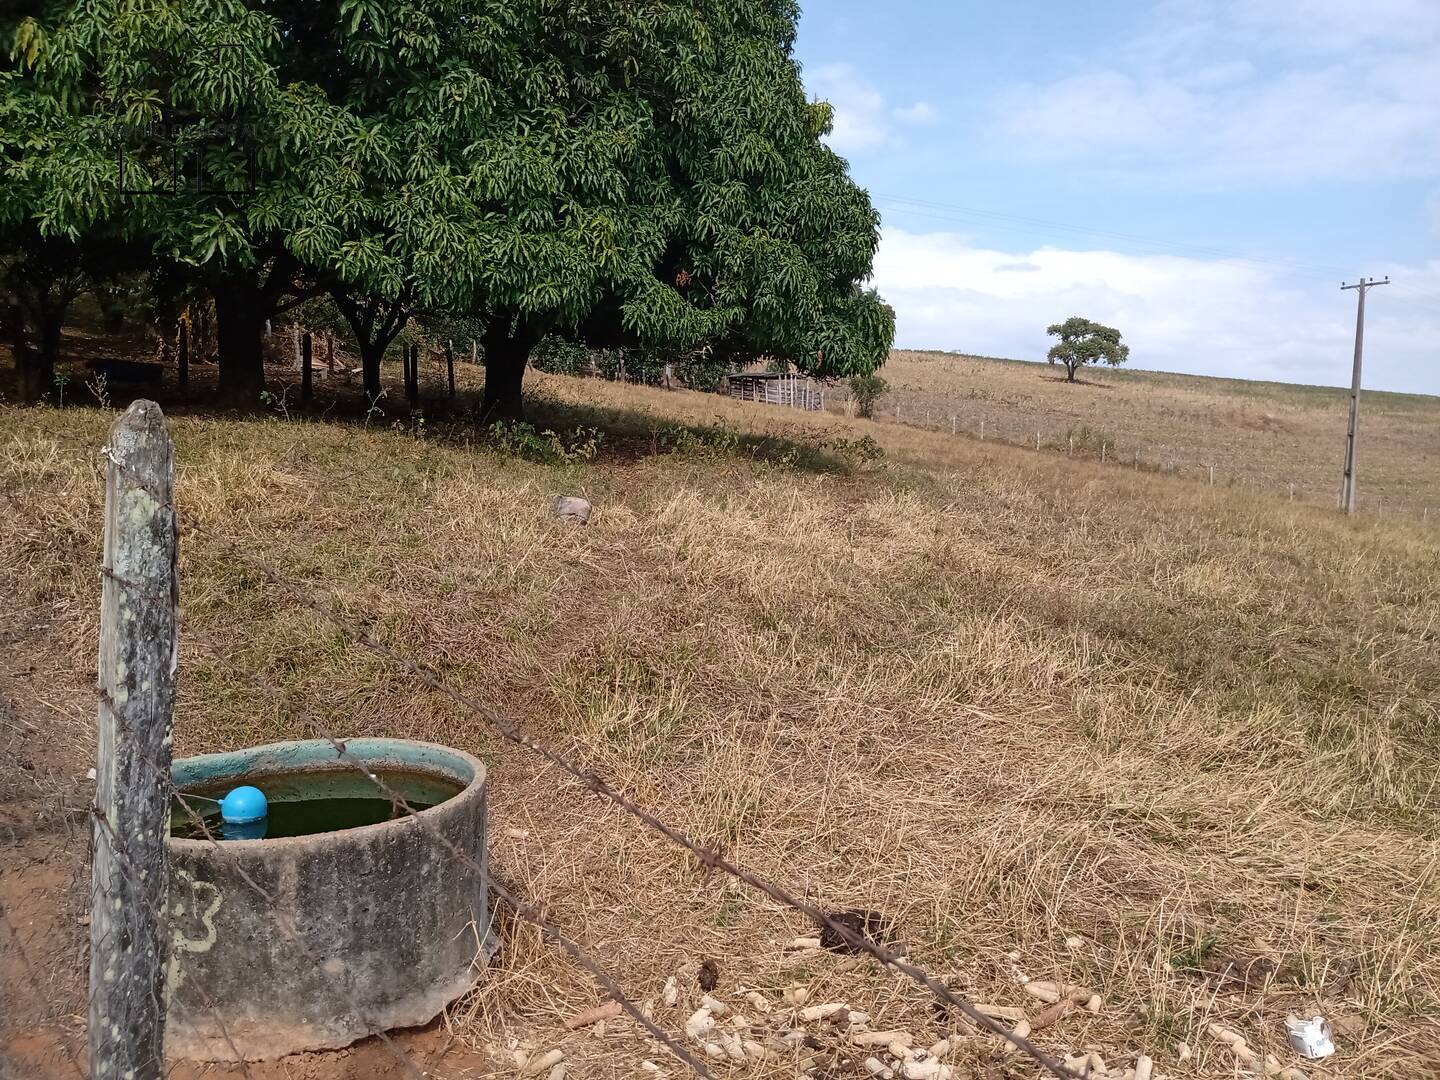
(776, 388)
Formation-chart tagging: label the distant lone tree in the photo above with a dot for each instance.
(1085, 342)
(866, 391)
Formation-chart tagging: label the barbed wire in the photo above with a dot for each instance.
(428, 676)
(597, 785)
(524, 910)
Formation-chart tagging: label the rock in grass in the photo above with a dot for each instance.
(598, 1014)
(537, 1065)
(700, 1023)
(571, 508)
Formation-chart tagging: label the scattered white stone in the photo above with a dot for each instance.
(875, 1067)
(899, 1051)
(940, 1049)
(795, 995)
(755, 1051)
(671, 994)
(557, 1073)
(699, 1024)
(920, 1070)
(1094, 1003)
(571, 508)
(803, 943)
(1074, 942)
(822, 1012)
(882, 1038)
(650, 1066)
(1144, 1067)
(715, 1050)
(714, 1005)
(537, 1065)
(758, 1001)
(90, 775)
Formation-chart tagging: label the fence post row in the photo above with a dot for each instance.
(139, 590)
(307, 385)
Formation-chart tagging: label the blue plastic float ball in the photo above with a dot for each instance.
(243, 805)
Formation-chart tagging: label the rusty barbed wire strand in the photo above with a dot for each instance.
(122, 857)
(526, 911)
(598, 786)
(431, 678)
(291, 930)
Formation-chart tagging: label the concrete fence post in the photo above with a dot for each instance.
(139, 591)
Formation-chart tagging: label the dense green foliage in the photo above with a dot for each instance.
(624, 172)
(1084, 342)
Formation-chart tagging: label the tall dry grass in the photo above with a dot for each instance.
(1133, 731)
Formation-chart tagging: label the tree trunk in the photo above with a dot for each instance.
(240, 322)
(371, 353)
(1069, 372)
(505, 359)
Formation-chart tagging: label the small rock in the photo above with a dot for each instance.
(1144, 1067)
(719, 1008)
(882, 1038)
(821, 1012)
(90, 775)
(537, 1065)
(715, 1050)
(801, 943)
(557, 1073)
(571, 508)
(875, 1067)
(699, 1024)
(920, 1070)
(758, 1001)
(671, 994)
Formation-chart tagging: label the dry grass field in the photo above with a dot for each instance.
(1097, 725)
(1264, 436)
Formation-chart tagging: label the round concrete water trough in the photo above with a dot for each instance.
(366, 928)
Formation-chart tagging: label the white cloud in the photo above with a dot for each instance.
(863, 119)
(1246, 91)
(1178, 314)
(861, 122)
(922, 112)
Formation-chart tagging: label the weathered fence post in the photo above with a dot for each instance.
(139, 591)
(307, 385)
(450, 366)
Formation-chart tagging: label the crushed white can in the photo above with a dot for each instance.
(1309, 1038)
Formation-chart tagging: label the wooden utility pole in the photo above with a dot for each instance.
(450, 366)
(1347, 478)
(129, 881)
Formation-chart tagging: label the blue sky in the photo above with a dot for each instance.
(1200, 173)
